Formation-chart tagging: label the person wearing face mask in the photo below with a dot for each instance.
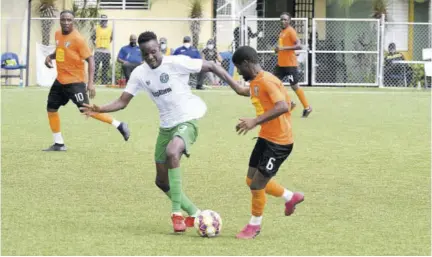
(211, 54)
(164, 47)
(130, 56)
(102, 39)
(189, 50)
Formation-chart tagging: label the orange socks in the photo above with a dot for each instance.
(272, 188)
(300, 93)
(103, 117)
(259, 200)
(54, 121)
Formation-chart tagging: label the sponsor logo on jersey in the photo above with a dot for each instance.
(162, 92)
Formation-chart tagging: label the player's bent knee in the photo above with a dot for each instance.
(248, 181)
(173, 152)
(162, 185)
(52, 108)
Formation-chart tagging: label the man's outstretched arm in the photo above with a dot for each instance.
(118, 104)
(223, 74)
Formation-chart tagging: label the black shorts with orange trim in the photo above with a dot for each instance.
(60, 94)
(267, 156)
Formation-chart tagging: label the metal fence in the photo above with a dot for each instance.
(402, 63)
(337, 52)
(345, 52)
(108, 70)
(263, 33)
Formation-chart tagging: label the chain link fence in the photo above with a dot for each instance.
(106, 49)
(402, 62)
(263, 34)
(337, 52)
(345, 52)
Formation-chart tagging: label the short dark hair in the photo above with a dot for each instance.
(67, 11)
(286, 13)
(245, 53)
(146, 36)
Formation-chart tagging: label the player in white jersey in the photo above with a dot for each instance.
(165, 79)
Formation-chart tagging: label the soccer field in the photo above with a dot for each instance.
(362, 159)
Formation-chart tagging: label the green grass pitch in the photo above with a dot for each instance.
(362, 159)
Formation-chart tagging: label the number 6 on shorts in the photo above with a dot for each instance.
(270, 163)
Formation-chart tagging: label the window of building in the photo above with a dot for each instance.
(117, 4)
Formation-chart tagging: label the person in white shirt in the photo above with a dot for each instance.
(165, 79)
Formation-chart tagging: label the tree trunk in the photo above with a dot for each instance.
(46, 31)
(430, 11)
(195, 28)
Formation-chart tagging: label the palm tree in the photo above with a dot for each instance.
(46, 9)
(85, 11)
(195, 12)
(379, 7)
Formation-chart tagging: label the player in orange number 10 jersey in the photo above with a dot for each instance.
(71, 51)
(275, 142)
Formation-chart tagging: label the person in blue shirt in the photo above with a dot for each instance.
(130, 56)
(187, 49)
(191, 51)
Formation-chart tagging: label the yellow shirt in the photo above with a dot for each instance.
(103, 37)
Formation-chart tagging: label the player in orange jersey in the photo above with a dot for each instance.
(275, 141)
(71, 51)
(287, 60)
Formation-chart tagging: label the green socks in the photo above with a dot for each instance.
(178, 199)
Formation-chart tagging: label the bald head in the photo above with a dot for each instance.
(133, 40)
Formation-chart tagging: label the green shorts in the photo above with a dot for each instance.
(188, 131)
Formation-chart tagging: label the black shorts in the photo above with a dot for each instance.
(267, 157)
(291, 73)
(60, 94)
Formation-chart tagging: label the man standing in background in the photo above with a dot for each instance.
(287, 60)
(130, 56)
(163, 43)
(102, 40)
(189, 50)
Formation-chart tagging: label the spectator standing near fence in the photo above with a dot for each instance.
(102, 40)
(163, 43)
(70, 53)
(211, 54)
(237, 35)
(287, 60)
(130, 56)
(189, 50)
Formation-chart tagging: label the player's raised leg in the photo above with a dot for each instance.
(56, 98)
(273, 188)
(77, 93)
(183, 136)
(162, 179)
(162, 182)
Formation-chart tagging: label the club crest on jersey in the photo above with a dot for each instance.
(148, 82)
(256, 90)
(164, 78)
(67, 44)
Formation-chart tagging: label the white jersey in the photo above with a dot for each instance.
(168, 87)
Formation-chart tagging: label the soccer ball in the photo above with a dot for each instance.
(208, 223)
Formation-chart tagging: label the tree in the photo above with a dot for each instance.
(46, 9)
(195, 12)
